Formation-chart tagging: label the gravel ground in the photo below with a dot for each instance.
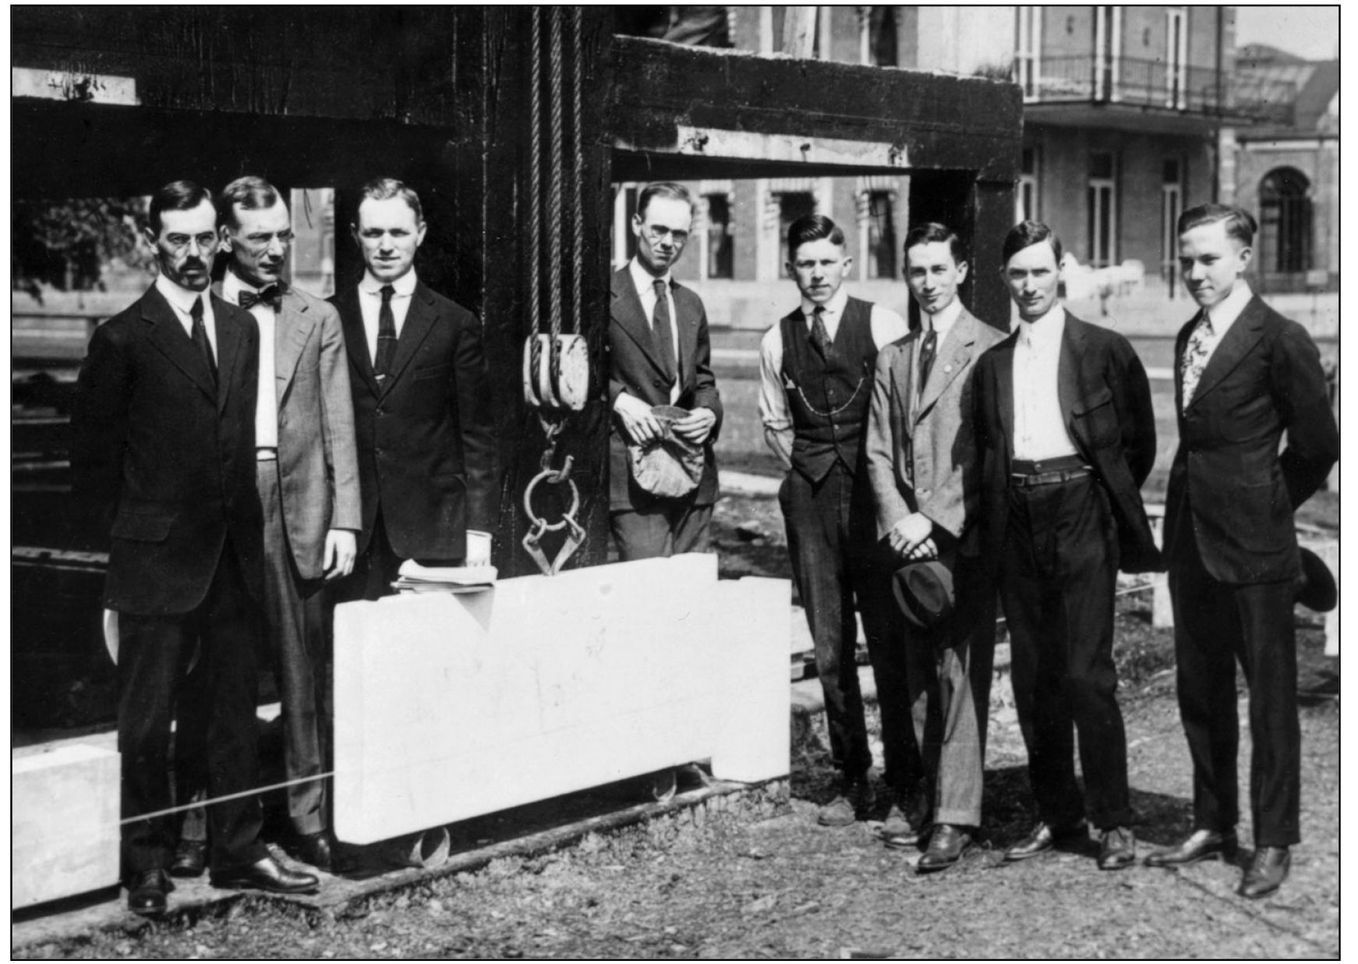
(720, 886)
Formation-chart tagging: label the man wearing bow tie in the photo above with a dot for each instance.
(816, 368)
(422, 405)
(307, 475)
(163, 451)
(1244, 375)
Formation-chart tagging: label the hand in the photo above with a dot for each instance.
(478, 548)
(907, 534)
(636, 417)
(925, 550)
(341, 546)
(696, 426)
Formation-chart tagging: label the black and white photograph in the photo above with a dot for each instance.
(674, 482)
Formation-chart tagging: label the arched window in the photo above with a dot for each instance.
(1284, 222)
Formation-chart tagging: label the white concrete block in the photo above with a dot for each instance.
(64, 822)
(452, 706)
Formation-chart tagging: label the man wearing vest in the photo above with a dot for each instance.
(816, 368)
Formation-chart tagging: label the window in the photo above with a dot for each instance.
(312, 263)
(1171, 206)
(1102, 213)
(1107, 51)
(624, 206)
(1284, 222)
(791, 206)
(1176, 59)
(718, 260)
(1025, 199)
(881, 245)
(877, 36)
(1028, 51)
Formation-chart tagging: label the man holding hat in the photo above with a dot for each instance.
(922, 467)
(815, 369)
(1244, 375)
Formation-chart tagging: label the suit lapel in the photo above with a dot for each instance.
(291, 331)
(628, 313)
(904, 375)
(1004, 388)
(420, 319)
(167, 334)
(1234, 346)
(688, 343)
(953, 355)
(356, 337)
(1068, 369)
(229, 348)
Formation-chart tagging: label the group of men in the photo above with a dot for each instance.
(933, 471)
(255, 455)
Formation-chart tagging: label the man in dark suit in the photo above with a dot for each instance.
(163, 452)
(921, 461)
(1244, 375)
(659, 355)
(1067, 437)
(422, 405)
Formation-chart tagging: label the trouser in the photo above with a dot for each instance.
(1057, 578)
(949, 673)
(1215, 624)
(834, 559)
(664, 527)
(153, 653)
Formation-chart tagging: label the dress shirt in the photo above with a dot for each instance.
(645, 285)
(1039, 425)
(1225, 313)
(370, 303)
(942, 321)
(887, 326)
(266, 405)
(181, 300)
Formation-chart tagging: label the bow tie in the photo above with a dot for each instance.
(271, 296)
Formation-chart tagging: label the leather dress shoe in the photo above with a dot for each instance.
(146, 892)
(316, 849)
(1199, 845)
(946, 845)
(190, 857)
(856, 797)
(1042, 838)
(899, 829)
(1267, 872)
(1117, 848)
(268, 875)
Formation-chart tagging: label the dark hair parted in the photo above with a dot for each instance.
(662, 189)
(250, 193)
(1025, 234)
(812, 227)
(176, 196)
(386, 188)
(1240, 224)
(931, 232)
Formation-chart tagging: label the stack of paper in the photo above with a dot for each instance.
(413, 577)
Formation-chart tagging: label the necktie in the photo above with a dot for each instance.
(820, 336)
(926, 357)
(271, 296)
(200, 339)
(661, 331)
(1196, 353)
(386, 336)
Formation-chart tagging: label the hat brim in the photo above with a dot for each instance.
(1318, 590)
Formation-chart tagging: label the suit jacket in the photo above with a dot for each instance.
(1229, 489)
(921, 452)
(634, 368)
(1105, 398)
(317, 461)
(166, 462)
(426, 440)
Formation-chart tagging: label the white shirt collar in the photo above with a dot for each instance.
(943, 321)
(835, 306)
(403, 286)
(233, 284)
(643, 279)
(1048, 328)
(1225, 313)
(177, 295)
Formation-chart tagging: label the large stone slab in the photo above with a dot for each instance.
(63, 823)
(452, 706)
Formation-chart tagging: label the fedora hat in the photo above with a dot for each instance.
(1315, 586)
(924, 592)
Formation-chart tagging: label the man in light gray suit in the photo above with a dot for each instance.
(307, 474)
(922, 467)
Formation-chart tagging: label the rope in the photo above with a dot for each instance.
(554, 189)
(535, 187)
(577, 205)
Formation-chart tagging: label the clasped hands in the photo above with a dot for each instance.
(912, 537)
(644, 427)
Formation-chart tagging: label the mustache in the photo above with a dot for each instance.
(195, 263)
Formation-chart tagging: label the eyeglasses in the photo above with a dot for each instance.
(657, 232)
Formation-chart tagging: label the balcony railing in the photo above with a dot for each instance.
(1150, 83)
